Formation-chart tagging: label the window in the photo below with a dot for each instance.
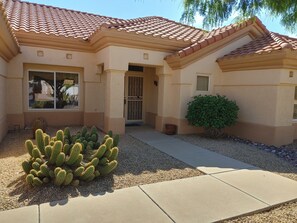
(295, 104)
(135, 68)
(202, 83)
(53, 90)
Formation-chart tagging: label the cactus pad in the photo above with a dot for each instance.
(109, 167)
(75, 151)
(60, 178)
(100, 151)
(114, 153)
(60, 136)
(29, 146)
(87, 173)
(36, 153)
(40, 140)
(26, 167)
(57, 148)
(63, 162)
(29, 179)
(78, 171)
(60, 159)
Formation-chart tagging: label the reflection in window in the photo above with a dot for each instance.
(53, 90)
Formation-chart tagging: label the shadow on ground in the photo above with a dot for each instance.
(246, 153)
(139, 164)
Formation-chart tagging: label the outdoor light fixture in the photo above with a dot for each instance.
(69, 56)
(145, 56)
(99, 71)
(291, 73)
(40, 53)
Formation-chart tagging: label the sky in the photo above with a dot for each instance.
(128, 9)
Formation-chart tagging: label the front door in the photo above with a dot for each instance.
(133, 99)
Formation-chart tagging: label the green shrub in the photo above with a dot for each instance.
(67, 159)
(213, 113)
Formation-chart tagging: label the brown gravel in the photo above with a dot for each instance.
(251, 155)
(138, 164)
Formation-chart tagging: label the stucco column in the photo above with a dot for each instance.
(162, 100)
(114, 101)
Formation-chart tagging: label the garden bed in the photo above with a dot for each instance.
(139, 164)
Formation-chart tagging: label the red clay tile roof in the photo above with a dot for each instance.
(31, 17)
(267, 44)
(158, 27)
(4, 16)
(217, 35)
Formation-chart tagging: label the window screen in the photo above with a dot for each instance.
(202, 83)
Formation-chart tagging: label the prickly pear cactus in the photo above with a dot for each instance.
(66, 159)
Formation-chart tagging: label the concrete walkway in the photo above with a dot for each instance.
(230, 188)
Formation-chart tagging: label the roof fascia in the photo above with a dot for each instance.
(8, 44)
(282, 59)
(108, 37)
(177, 62)
(53, 42)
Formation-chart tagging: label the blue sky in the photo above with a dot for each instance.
(127, 9)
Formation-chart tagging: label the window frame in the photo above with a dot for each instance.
(54, 108)
(208, 87)
(294, 103)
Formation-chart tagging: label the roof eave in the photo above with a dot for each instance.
(183, 58)
(9, 46)
(106, 37)
(53, 42)
(280, 59)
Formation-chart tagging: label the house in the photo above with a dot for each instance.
(77, 68)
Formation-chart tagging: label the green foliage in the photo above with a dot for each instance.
(75, 151)
(116, 140)
(215, 12)
(56, 150)
(26, 166)
(36, 153)
(114, 153)
(29, 146)
(104, 170)
(40, 140)
(60, 135)
(212, 112)
(69, 159)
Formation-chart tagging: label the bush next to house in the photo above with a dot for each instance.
(213, 113)
(66, 159)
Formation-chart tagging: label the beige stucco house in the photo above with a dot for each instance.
(75, 68)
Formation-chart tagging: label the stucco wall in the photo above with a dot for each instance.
(207, 65)
(262, 95)
(118, 58)
(3, 121)
(265, 97)
(89, 89)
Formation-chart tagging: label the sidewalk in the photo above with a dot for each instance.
(230, 188)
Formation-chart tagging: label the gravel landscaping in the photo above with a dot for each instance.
(138, 164)
(281, 161)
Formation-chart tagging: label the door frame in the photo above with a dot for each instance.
(127, 75)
